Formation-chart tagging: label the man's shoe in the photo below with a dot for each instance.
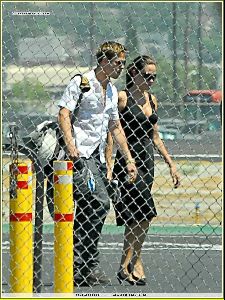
(95, 277)
(98, 277)
(84, 280)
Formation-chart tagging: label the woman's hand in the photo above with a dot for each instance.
(132, 170)
(175, 175)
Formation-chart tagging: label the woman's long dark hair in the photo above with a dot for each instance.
(138, 64)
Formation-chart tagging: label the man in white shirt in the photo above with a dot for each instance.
(96, 115)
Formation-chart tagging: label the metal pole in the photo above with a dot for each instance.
(186, 57)
(186, 47)
(200, 47)
(38, 227)
(92, 24)
(174, 51)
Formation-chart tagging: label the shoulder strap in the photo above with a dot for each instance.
(84, 87)
(130, 101)
(151, 101)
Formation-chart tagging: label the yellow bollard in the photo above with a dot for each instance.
(63, 226)
(21, 232)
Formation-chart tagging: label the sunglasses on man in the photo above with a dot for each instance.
(149, 76)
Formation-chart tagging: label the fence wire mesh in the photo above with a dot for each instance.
(44, 44)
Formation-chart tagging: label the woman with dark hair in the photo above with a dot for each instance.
(136, 209)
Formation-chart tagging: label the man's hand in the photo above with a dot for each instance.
(73, 151)
(109, 174)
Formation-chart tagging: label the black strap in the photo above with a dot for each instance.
(76, 109)
(73, 115)
(151, 101)
(84, 87)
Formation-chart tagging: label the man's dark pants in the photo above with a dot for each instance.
(90, 212)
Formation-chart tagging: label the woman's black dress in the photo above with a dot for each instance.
(136, 203)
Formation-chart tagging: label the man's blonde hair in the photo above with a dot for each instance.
(109, 50)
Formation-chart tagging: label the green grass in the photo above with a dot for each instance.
(154, 229)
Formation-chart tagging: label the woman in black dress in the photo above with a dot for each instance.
(135, 210)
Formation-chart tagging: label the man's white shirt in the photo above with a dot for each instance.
(91, 125)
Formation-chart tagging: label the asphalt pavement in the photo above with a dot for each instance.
(175, 264)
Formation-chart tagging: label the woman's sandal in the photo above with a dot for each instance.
(122, 277)
(138, 281)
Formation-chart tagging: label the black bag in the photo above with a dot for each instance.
(84, 182)
(46, 140)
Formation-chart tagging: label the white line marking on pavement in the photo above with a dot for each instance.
(147, 246)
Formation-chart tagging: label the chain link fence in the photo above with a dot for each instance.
(44, 44)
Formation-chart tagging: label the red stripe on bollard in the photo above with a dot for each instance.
(56, 179)
(21, 217)
(22, 184)
(23, 169)
(63, 218)
(69, 165)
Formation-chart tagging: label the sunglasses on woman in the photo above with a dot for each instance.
(149, 76)
(120, 62)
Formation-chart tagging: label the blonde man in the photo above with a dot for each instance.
(97, 114)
